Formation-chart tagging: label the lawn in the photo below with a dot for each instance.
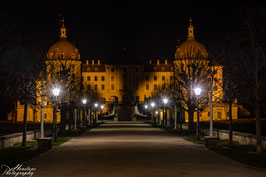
(17, 154)
(245, 154)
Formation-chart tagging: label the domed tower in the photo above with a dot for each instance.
(191, 48)
(63, 61)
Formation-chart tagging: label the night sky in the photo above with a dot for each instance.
(148, 31)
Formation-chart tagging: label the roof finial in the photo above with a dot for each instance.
(62, 29)
(191, 30)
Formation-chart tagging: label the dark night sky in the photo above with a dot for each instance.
(149, 31)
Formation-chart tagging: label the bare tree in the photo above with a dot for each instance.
(189, 73)
(248, 48)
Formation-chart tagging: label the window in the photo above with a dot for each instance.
(147, 87)
(95, 78)
(137, 86)
(209, 114)
(171, 78)
(147, 78)
(124, 77)
(155, 78)
(96, 87)
(45, 116)
(163, 78)
(73, 55)
(103, 78)
(112, 87)
(155, 87)
(88, 78)
(219, 115)
(112, 78)
(112, 69)
(103, 87)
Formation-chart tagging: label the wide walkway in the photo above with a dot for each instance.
(126, 149)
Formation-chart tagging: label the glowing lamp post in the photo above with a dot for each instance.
(165, 101)
(56, 92)
(152, 106)
(102, 106)
(197, 93)
(84, 101)
(96, 112)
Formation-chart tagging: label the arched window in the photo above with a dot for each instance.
(73, 55)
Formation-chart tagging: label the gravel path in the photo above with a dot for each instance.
(128, 149)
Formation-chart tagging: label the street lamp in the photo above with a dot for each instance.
(96, 112)
(165, 101)
(152, 106)
(56, 92)
(197, 91)
(102, 106)
(84, 101)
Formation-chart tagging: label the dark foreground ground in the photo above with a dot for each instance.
(126, 149)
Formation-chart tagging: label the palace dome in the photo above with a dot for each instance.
(63, 49)
(191, 48)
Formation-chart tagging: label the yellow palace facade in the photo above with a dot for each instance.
(125, 80)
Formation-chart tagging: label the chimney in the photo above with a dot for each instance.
(87, 62)
(92, 62)
(150, 62)
(165, 61)
(158, 62)
(99, 62)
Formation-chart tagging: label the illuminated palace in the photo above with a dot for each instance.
(126, 81)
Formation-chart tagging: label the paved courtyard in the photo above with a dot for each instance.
(128, 149)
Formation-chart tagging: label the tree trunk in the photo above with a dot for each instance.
(230, 124)
(258, 129)
(191, 120)
(63, 120)
(70, 119)
(24, 137)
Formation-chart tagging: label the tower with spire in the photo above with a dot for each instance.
(190, 30)
(63, 29)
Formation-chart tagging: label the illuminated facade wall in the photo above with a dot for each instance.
(127, 82)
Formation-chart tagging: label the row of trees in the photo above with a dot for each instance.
(243, 59)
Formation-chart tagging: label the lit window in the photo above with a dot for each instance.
(219, 115)
(95, 78)
(112, 87)
(147, 87)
